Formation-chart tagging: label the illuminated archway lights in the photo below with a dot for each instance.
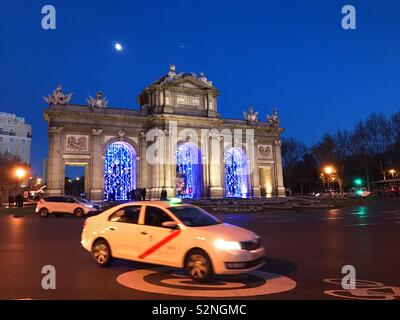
(119, 170)
(235, 173)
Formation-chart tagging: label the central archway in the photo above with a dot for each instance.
(188, 171)
(119, 170)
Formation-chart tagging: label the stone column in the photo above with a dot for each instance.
(169, 165)
(55, 170)
(145, 181)
(280, 188)
(255, 174)
(157, 170)
(216, 158)
(97, 167)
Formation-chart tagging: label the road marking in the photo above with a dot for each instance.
(166, 281)
(282, 221)
(331, 218)
(361, 224)
(392, 218)
(365, 290)
(158, 245)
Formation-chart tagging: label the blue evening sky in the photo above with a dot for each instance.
(293, 55)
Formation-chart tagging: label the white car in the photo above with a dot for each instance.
(58, 205)
(172, 234)
(358, 192)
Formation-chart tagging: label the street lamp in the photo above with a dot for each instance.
(392, 172)
(20, 173)
(328, 170)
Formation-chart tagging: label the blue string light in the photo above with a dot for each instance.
(233, 174)
(119, 170)
(184, 172)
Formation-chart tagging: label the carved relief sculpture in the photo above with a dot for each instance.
(265, 151)
(77, 143)
(97, 132)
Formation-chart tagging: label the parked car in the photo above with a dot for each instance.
(172, 234)
(358, 192)
(59, 205)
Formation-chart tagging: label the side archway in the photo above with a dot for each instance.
(119, 170)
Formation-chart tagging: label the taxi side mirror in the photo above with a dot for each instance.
(169, 225)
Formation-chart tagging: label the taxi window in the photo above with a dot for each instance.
(128, 214)
(155, 216)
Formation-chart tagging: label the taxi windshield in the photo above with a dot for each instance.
(193, 216)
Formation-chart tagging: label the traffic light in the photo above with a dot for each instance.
(358, 182)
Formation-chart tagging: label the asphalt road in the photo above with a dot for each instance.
(307, 247)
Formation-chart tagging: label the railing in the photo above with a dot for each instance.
(7, 133)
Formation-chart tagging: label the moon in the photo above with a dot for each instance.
(118, 47)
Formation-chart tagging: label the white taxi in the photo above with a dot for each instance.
(173, 234)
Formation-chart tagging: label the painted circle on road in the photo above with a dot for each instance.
(364, 290)
(175, 282)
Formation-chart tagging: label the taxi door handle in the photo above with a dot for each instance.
(112, 228)
(143, 233)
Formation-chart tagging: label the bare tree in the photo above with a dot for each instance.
(379, 138)
(293, 152)
(342, 153)
(359, 147)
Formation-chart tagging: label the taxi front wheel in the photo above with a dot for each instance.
(102, 253)
(198, 265)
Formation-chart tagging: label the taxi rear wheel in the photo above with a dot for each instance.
(198, 266)
(102, 253)
(44, 213)
(78, 213)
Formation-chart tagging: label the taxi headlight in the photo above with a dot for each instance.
(227, 245)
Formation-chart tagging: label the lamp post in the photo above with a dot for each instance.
(328, 170)
(392, 172)
(20, 173)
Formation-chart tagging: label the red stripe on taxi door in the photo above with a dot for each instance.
(158, 245)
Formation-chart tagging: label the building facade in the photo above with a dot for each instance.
(175, 141)
(15, 136)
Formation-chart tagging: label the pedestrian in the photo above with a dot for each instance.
(11, 200)
(133, 195)
(144, 192)
(112, 196)
(138, 194)
(19, 200)
(163, 194)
